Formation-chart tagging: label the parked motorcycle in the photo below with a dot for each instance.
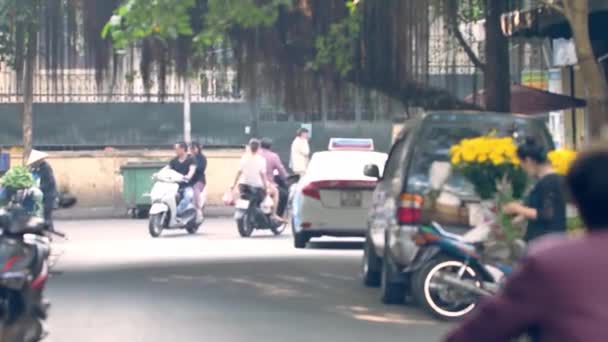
(165, 196)
(24, 254)
(450, 275)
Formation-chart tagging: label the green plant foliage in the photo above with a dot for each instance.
(17, 17)
(338, 47)
(136, 20)
(18, 177)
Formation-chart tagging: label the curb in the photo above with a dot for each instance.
(122, 213)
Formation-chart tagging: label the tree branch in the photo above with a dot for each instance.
(452, 18)
(467, 48)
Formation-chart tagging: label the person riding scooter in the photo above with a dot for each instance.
(276, 175)
(185, 165)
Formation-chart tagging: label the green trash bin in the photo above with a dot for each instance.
(137, 183)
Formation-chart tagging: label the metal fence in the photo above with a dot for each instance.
(146, 125)
(81, 86)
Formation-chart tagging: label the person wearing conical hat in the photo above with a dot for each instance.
(43, 173)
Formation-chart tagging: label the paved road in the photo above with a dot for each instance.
(118, 284)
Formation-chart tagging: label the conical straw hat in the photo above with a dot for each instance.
(36, 156)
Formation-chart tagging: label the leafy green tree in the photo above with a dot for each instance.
(19, 26)
(165, 20)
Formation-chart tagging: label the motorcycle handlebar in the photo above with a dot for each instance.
(58, 233)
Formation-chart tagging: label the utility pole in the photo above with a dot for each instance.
(187, 112)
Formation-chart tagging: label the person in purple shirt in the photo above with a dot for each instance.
(558, 293)
(273, 164)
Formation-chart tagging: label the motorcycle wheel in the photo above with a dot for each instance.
(244, 226)
(442, 300)
(193, 228)
(155, 225)
(279, 230)
(22, 330)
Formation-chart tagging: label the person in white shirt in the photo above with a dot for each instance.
(300, 152)
(252, 170)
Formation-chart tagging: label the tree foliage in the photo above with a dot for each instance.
(338, 47)
(18, 19)
(203, 23)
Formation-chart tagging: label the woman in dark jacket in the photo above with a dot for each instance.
(44, 173)
(199, 180)
(545, 206)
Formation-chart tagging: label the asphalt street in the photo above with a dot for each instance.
(115, 283)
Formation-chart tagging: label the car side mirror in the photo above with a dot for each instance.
(372, 171)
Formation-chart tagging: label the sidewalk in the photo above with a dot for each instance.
(116, 213)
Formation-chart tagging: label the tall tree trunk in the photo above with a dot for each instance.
(577, 12)
(497, 76)
(28, 91)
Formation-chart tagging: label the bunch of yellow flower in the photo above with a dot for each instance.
(485, 150)
(561, 160)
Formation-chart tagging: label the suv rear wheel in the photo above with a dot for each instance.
(371, 265)
(391, 287)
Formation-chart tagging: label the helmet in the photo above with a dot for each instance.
(266, 143)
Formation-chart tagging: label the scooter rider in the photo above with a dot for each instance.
(252, 171)
(278, 182)
(185, 165)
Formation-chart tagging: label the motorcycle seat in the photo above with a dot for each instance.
(447, 234)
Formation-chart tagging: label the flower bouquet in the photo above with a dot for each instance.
(561, 160)
(491, 165)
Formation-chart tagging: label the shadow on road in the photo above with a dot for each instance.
(176, 234)
(340, 245)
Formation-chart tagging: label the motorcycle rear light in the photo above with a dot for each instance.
(410, 209)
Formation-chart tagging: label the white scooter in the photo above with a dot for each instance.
(165, 196)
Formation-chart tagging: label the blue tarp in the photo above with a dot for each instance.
(5, 162)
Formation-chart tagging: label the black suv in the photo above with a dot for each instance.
(401, 199)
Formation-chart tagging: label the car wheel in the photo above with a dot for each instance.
(392, 290)
(300, 239)
(371, 265)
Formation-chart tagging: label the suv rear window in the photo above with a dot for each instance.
(433, 145)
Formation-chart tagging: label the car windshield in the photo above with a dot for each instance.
(442, 132)
(344, 164)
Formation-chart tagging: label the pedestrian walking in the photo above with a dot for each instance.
(558, 293)
(300, 152)
(544, 208)
(199, 180)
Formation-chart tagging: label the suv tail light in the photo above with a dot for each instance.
(410, 208)
(313, 189)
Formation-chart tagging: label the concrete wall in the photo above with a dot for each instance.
(94, 177)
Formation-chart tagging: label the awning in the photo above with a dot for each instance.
(528, 100)
(546, 22)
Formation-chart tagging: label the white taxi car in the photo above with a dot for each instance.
(334, 196)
